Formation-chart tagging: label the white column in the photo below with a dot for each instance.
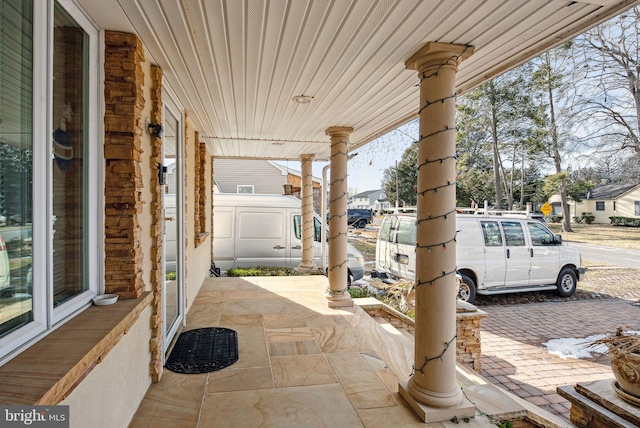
(307, 263)
(432, 390)
(338, 294)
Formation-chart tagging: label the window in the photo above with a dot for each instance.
(297, 228)
(491, 232)
(48, 174)
(540, 235)
(244, 188)
(600, 206)
(407, 231)
(388, 225)
(637, 208)
(513, 234)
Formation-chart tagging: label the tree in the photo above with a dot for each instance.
(550, 78)
(501, 116)
(407, 173)
(609, 65)
(576, 188)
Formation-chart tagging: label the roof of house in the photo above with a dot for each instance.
(610, 191)
(286, 170)
(367, 193)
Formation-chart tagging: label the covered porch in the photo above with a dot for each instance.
(304, 364)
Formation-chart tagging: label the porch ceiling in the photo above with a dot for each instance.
(236, 65)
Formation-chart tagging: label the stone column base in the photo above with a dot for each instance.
(339, 299)
(307, 267)
(429, 414)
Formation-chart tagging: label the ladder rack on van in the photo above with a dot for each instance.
(487, 212)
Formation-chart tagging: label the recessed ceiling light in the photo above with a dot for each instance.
(303, 99)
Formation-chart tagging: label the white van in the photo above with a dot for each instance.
(494, 254)
(265, 230)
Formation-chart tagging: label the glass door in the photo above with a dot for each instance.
(173, 290)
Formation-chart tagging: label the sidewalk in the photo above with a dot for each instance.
(513, 357)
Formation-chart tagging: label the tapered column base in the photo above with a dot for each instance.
(339, 299)
(428, 414)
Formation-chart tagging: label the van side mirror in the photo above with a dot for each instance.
(558, 239)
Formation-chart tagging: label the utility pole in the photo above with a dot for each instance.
(397, 194)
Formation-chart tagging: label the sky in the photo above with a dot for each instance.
(366, 168)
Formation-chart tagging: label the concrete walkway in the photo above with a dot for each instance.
(514, 359)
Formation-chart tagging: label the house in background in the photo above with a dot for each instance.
(367, 200)
(621, 199)
(261, 177)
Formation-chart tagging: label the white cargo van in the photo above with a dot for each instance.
(494, 254)
(265, 230)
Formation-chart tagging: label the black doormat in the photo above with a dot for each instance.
(204, 350)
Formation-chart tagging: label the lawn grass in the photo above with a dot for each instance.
(601, 234)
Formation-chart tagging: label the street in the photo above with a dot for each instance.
(613, 256)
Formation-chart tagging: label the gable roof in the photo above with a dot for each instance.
(367, 193)
(610, 191)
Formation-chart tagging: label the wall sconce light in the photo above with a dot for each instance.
(154, 129)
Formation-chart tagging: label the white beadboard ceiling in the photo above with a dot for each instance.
(235, 65)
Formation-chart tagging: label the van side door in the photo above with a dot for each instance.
(262, 237)
(495, 261)
(224, 237)
(544, 253)
(517, 254)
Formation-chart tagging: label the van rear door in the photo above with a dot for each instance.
(262, 237)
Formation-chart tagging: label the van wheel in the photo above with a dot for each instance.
(567, 282)
(467, 290)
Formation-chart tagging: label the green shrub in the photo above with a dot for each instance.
(555, 218)
(263, 271)
(625, 221)
(170, 276)
(586, 218)
(357, 292)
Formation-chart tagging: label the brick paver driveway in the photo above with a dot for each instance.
(513, 356)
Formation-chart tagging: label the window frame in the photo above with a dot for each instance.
(46, 317)
(637, 208)
(238, 186)
(600, 204)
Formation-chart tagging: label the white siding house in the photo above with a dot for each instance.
(367, 200)
(622, 200)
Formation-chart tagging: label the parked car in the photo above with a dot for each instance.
(494, 254)
(253, 230)
(359, 217)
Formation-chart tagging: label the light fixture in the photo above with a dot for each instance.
(303, 99)
(154, 129)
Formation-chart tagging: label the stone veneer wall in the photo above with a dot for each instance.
(196, 192)
(201, 191)
(156, 229)
(124, 127)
